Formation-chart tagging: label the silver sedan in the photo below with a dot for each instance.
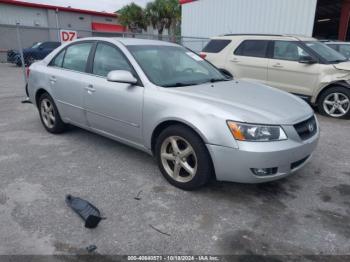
(167, 101)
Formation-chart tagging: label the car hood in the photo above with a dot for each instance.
(343, 66)
(249, 102)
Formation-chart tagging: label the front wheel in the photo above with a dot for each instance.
(335, 102)
(183, 158)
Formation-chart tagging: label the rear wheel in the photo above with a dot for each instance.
(335, 102)
(49, 115)
(183, 158)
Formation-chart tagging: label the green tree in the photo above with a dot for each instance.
(174, 13)
(133, 17)
(163, 14)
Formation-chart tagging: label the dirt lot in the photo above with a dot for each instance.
(308, 213)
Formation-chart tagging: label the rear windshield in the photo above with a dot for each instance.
(216, 46)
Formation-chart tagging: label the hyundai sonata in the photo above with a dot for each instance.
(167, 101)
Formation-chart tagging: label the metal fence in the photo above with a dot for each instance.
(15, 39)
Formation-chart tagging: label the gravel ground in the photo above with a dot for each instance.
(307, 213)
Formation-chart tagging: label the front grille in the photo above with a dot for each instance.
(298, 163)
(307, 128)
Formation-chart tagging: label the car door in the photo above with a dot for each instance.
(113, 108)
(67, 80)
(287, 73)
(249, 60)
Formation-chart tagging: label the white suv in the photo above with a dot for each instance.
(299, 65)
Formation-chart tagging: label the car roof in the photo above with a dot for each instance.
(129, 41)
(336, 42)
(266, 37)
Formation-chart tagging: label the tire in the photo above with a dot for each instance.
(192, 154)
(49, 115)
(335, 102)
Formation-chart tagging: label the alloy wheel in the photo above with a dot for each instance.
(47, 113)
(179, 159)
(336, 104)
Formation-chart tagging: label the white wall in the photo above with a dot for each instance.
(10, 15)
(206, 18)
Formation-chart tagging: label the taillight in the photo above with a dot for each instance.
(202, 55)
(27, 71)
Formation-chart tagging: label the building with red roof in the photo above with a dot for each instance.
(39, 22)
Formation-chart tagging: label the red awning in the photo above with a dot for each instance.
(182, 2)
(102, 27)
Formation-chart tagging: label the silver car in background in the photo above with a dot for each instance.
(167, 101)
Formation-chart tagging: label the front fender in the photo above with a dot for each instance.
(209, 125)
(324, 85)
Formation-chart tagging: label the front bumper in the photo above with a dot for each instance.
(287, 156)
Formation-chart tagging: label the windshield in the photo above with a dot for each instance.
(174, 66)
(36, 45)
(326, 52)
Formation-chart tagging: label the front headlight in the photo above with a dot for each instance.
(256, 133)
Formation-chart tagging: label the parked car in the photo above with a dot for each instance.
(341, 47)
(37, 52)
(299, 65)
(11, 56)
(167, 101)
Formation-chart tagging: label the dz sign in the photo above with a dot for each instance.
(68, 35)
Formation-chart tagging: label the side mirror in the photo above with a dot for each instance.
(121, 76)
(41, 48)
(307, 60)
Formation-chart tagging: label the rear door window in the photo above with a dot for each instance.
(216, 45)
(76, 57)
(253, 48)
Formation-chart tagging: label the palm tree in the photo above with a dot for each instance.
(163, 14)
(174, 14)
(133, 17)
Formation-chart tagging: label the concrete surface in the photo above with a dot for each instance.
(308, 213)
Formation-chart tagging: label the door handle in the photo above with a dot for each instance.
(234, 60)
(90, 89)
(277, 65)
(52, 79)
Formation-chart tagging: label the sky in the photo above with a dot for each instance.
(95, 5)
